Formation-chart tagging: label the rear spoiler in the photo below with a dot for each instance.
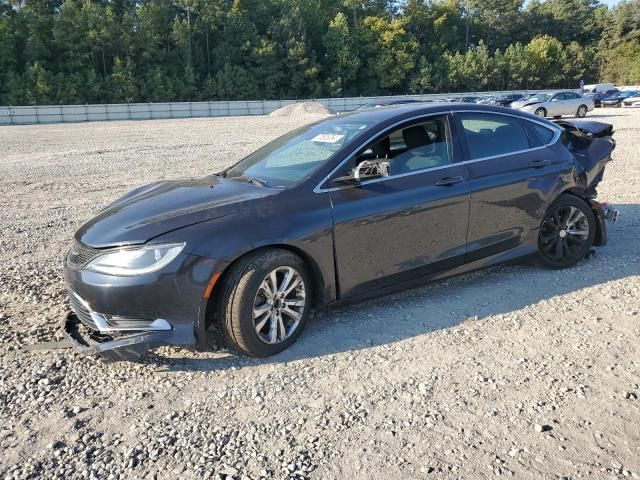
(587, 127)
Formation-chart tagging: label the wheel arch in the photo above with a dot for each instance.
(544, 109)
(601, 232)
(318, 287)
(576, 191)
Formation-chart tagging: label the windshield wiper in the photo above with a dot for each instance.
(253, 180)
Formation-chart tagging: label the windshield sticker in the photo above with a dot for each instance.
(327, 138)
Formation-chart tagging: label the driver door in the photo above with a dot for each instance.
(409, 224)
(556, 105)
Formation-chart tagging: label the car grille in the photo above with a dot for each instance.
(81, 310)
(79, 255)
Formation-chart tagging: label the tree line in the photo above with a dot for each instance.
(109, 51)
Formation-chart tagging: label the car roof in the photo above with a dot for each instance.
(393, 101)
(400, 112)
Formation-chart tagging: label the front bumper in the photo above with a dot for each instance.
(128, 315)
(121, 347)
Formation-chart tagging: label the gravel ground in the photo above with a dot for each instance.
(516, 370)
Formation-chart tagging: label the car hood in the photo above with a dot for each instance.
(161, 207)
(520, 103)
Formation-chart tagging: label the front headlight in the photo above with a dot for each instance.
(136, 260)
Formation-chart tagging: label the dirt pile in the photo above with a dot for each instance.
(301, 109)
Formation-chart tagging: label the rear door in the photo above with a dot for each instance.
(572, 102)
(510, 175)
(410, 224)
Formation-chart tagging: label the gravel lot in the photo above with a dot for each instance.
(515, 371)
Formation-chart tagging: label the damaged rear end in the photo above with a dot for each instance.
(591, 144)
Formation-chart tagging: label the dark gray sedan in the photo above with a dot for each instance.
(347, 208)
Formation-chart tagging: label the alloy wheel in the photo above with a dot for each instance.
(582, 111)
(279, 305)
(540, 112)
(564, 234)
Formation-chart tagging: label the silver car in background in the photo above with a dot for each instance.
(555, 104)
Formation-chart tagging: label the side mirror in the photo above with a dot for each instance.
(366, 170)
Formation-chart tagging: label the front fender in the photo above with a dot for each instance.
(303, 222)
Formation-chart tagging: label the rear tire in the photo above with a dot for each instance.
(582, 111)
(540, 112)
(258, 317)
(567, 232)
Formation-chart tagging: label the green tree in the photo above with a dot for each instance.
(123, 82)
(341, 55)
(388, 53)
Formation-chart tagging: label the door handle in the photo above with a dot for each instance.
(444, 182)
(540, 163)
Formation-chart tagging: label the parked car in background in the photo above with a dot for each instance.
(486, 100)
(598, 88)
(555, 104)
(597, 97)
(464, 99)
(351, 207)
(386, 103)
(616, 99)
(632, 101)
(507, 100)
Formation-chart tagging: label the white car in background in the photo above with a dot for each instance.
(555, 104)
(631, 101)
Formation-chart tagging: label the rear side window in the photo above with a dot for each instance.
(490, 135)
(544, 134)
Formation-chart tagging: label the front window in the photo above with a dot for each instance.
(295, 156)
(410, 148)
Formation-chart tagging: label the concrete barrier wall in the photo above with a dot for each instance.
(147, 111)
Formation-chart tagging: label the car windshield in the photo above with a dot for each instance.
(538, 97)
(296, 155)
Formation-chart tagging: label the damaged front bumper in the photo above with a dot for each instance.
(112, 348)
(122, 317)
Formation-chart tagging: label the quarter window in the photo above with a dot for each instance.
(490, 135)
(544, 134)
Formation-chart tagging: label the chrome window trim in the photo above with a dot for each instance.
(503, 155)
(554, 128)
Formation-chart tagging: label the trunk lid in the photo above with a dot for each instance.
(591, 144)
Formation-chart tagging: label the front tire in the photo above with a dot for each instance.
(264, 302)
(567, 232)
(582, 111)
(540, 112)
